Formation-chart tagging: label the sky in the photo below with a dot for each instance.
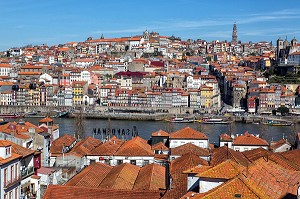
(52, 22)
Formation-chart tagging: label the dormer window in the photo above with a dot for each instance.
(8, 151)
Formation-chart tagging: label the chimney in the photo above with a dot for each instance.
(168, 176)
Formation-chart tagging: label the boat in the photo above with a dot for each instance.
(11, 115)
(63, 114)
(181, 120)
(31, 113)
(277, 123)
(213, 121)
(3, 121)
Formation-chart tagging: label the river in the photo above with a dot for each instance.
(145, 128)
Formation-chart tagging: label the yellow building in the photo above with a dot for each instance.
(79, 88)
(206, 97)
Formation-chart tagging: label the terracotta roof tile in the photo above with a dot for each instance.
(223, 153)
(160, 146)
(225, 137)
(85, 146)
(256, 154)
(179, 182)
(58, 144)
(91, 176)
(249, 140)
(231, 189)
(189, 148)
(108, 148)
(276, 145)
(160, 133)
(226, 170)
(150, 177)
(188, 133)
(135, 147)
(121, 177)
(46, 119)
(271, 179)
(70, 192)
(293, 156)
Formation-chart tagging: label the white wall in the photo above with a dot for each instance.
(283, 148)
(193, 181)
(206, 184)
(178, 142)
(173, 157)
(140, 161)
(229, 144)
(247, 148)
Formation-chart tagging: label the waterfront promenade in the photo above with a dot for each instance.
(140, 113)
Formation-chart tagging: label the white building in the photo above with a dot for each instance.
(85, 76)
(10, 185)
(5, 69)
(248, 142)
(188, 135)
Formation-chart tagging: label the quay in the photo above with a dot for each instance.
(139, 113)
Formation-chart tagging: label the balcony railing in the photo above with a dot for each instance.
(11, 182)
(27, 172)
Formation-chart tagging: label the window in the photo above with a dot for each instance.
(133, 162)
(16, 192)
(12, 172)
(5, 176)
(17, 168)
(146, 162)
(119, 162)
(8, 151)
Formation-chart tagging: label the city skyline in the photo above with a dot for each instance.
(56, 22)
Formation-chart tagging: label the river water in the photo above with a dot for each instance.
(145, 128)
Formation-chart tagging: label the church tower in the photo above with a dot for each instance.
(234, 34)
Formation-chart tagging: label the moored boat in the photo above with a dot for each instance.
(181, 120)
(213, 121)
(277, 123)
(11, 115)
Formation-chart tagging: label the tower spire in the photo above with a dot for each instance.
(234, 34)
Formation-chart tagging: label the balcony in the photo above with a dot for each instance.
(27, 171)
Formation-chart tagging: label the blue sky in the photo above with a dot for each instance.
(52, 22)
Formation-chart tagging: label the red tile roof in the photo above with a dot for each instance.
(276, 145)
(293, 156)
(91, 176)
(160, 146)
(135, 147)
(160, 133)
(58, 144)
(225, 138)
(179, 182)
(249, 140)
(231, 189)
(271, 179)
(189, 148)
(46, 119)
(71, 192)
(188, 133)
(121, 177)
(278, 158)
(226, 170)
(223, 153)
(85, 146)
(150, 177)
(108, 148)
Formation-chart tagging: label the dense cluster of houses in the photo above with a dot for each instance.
(36, 162)
(146, 70)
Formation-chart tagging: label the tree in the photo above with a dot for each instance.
(283, 110)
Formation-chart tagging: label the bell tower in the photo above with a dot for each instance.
(234, 34)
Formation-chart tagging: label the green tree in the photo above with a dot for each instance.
(283, 110)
